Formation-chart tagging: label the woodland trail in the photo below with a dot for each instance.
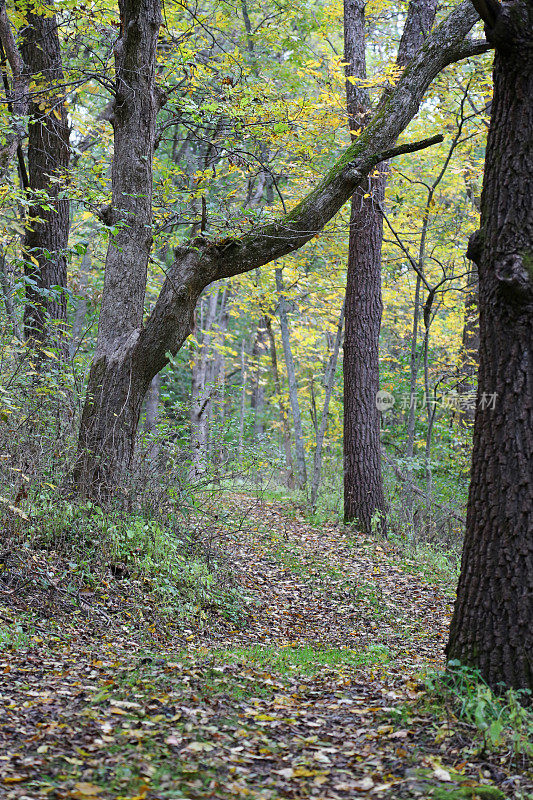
(317, 695)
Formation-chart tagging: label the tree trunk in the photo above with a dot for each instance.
(202, 388)
(321, 432)
(242, 406)
(16, 98)
(257, 399)
(364, 498)
(469, 363)
(301, 470)
(492, 626)
(81, 309)
(129, 353)
(121, 372)
(47, 228)
(286, 431)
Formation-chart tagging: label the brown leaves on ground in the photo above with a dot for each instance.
(316, 696)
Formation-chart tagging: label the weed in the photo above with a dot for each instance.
(503, 722)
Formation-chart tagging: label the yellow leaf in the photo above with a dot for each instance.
(87, 789)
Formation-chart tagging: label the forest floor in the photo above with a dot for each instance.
(319, 694)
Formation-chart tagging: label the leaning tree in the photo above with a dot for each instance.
(492, 626)
(130, 352)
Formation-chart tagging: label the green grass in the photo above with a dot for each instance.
(306, 659)
(13, 638)
(504, 723)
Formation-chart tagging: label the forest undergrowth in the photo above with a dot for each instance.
(299, 660)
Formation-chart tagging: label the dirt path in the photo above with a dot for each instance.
(315, 696)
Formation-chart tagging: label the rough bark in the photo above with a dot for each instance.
(47, 229)
(16, 96)
(364, 497)
(469, 357)
(121, 372)
(301, 468)
(129, 354)
(492, 625)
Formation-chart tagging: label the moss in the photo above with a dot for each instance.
(527, 260)
(466, 792)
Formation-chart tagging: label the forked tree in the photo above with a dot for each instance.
(492, 626)
(128, 352)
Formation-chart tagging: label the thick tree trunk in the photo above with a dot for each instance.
(47, 228)
(128, 353)
(364, 498)
(492, 626)
(469, 363)
(121, 372)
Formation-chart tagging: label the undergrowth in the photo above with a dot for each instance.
(502, 723)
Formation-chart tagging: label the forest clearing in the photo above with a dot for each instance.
(266, 399)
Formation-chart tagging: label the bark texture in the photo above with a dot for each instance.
(121, 373)
(129, 353)
(364, 498)
(16, 95)
(492, 626)
(47, 229)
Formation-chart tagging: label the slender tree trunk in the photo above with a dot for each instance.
(47, 227)
(328, 385)
(257, 400)
(413, 375)
(242, 410)
(152, 404)
(364, 498)
(81, 308)
(6, 285)
(301, 469)
(286, 431)
(492, 625)
(16, 97)
(202, 389)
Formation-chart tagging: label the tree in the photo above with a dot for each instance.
(48, 221)
(492, 625)
(363, 485)
(128, 352)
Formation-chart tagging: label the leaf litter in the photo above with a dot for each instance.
(317, 695)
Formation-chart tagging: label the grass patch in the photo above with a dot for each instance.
(501, 723)
(306, 659)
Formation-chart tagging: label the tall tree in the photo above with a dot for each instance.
(129, 353)
(48, 222)
(301, 468)
(492, 625)
(364, 497)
